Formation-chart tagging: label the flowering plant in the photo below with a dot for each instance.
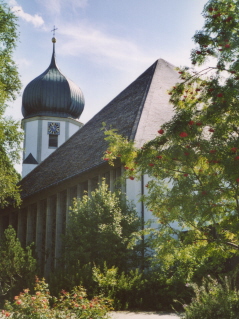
(42, 305)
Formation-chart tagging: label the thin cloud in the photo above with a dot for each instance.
(99, 46)
(23, 62)
(12, 2)
(35, 19)
(56, 6)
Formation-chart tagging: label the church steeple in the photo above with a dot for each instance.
(51, 105)
(53, 58)
(52, 93)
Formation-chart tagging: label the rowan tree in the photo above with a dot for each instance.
(10, 136)
(194, 161)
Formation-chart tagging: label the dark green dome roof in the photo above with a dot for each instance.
(52, 94)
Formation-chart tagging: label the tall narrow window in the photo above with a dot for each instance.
(53, 140)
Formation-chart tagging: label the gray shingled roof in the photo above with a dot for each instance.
(84, 150)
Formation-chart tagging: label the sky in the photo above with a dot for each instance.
(102, 45)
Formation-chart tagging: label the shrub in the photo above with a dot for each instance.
(138, 290)
(213, 299)
(78, 274)
(122, 288)
(99, 229)
(17, 265)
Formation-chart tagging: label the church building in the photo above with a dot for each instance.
(64, 158)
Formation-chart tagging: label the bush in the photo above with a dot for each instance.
(122, 288)
(42, 305)
(67, 278)
(99, 229)
(17, 265)
(214, 299)
(138, 290)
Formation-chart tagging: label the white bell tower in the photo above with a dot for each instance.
(51, 107)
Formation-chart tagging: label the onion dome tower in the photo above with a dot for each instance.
(51, 107)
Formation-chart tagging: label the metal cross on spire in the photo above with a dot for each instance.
(54, 29)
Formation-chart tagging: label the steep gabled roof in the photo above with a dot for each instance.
(131, 113)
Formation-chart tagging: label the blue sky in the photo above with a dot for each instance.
(102, 45)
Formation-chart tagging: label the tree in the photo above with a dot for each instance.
(10, 136)
(99, 230)
(193, 162)
(17, 266)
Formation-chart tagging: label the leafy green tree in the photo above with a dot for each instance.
(10, 136)
(100, 229)
(17, 266)
(193, 162)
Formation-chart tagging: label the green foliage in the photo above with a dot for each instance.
(137, 290)
(120, 287)
(10, 136)
(73, 274)
(9, 79)
(193, 162)
(100, 228)
(17, 266)
(72, 304)
(213, 299)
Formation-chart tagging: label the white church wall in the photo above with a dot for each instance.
(133, 193)
(31, 133)
(148, 215)
(36, 140)
(73, 128)
(27, 168)
(134, 190)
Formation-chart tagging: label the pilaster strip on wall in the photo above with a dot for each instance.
(59, 222)
(68, 203)
(39, 231)
(39, 141)
(24, 143)
(67, 132)
(48, 237)
(29, 225)
(89, 187)
(20, 226)
(79, 191)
